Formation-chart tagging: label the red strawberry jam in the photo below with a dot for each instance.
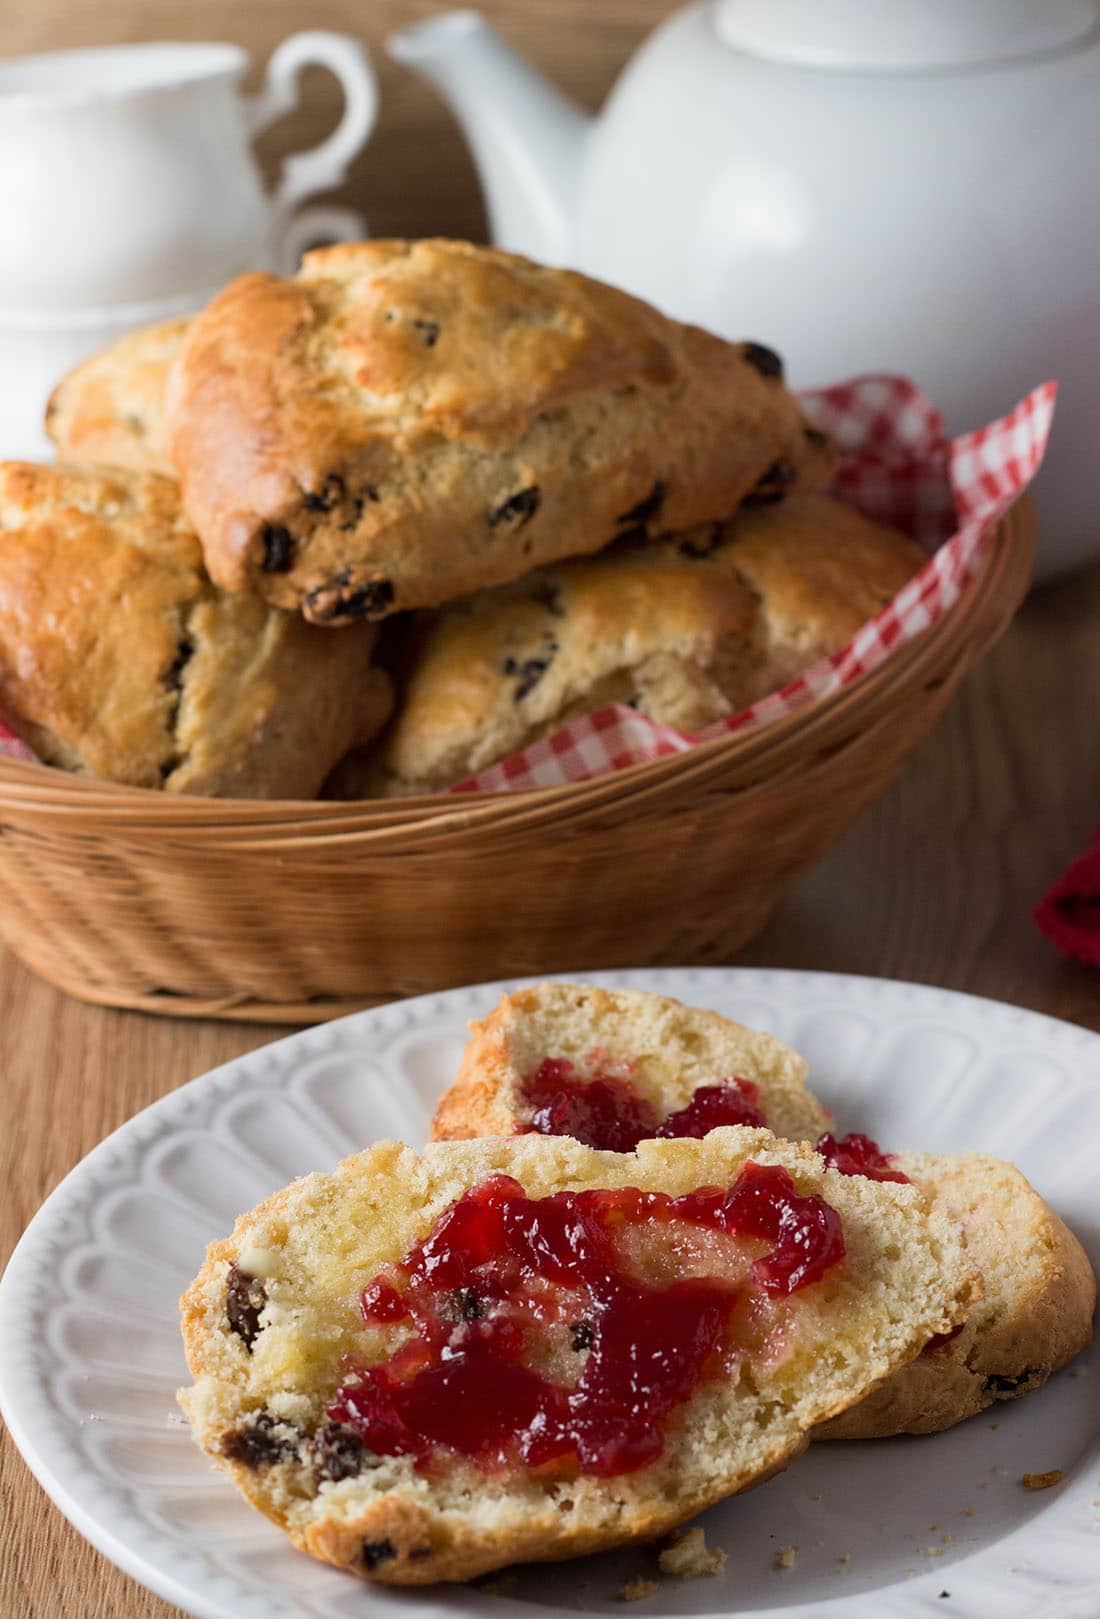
(607, 1112)
(859, 1155)
(506, 1291)
(733, 1101)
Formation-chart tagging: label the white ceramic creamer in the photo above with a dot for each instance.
(127, 173)
(129, 193)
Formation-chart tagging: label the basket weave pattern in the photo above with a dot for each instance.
(297, 912)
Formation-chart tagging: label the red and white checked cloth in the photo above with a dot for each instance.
(896, 466)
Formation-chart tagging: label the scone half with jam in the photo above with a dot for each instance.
(424, 1367)
(610, 1066)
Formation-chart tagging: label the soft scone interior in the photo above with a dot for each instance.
(313, 1248)
(1038, 1293)
(664, 1049)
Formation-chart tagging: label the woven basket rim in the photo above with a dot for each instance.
(290, 822)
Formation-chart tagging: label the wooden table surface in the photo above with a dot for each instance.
(935, 883)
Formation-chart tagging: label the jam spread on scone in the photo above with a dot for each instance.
(561, 1332)
(857, 1154)
(607, 1111)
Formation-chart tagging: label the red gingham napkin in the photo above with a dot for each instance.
(896, 466)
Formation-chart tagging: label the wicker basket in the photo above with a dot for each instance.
(299, 912)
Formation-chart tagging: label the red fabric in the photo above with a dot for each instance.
(1069, 912)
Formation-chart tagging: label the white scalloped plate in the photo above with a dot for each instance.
(90, 1353)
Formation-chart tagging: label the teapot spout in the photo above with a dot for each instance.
(527, 138)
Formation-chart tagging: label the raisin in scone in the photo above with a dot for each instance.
(109, 411)
(402, 423)
(120, 659)
(423, 1367)
(687, 630)
(488, 675)
(610, 1067)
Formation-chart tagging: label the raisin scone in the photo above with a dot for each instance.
(1033, 1315)
(424, 1367)
(607, 1067)
(687, 630)
(402, 423)
(120, 659)
(109, 411)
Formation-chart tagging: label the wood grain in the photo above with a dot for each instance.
(936, 883)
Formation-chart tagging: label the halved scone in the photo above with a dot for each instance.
(563, 1059)
(610, 1066)
(1033, 1315)
(424, 1367)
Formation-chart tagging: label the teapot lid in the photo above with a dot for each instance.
(899, 36)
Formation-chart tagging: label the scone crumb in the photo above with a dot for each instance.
(258, 1261)
(845, 1557)
(785, 1556)
(1043, 1481)
(689, 1557)
(637, 1589)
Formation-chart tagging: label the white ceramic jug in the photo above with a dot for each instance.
(127, 175)
(907, 185)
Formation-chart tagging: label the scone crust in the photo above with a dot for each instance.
(1033, 1316)
(405, 422)
(487, 676)
(652, 1033)
(688, 630)
(119, 659)
(110, 409)
(457, 1523)
(821, 570)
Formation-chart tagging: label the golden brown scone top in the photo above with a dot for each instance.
(821, 570)
(488, 675)
(688, 630)
(405, 422)
(119, 658)
(110, 409)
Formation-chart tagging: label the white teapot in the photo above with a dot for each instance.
(867, 185)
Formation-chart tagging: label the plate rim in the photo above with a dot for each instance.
(902, 1599)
